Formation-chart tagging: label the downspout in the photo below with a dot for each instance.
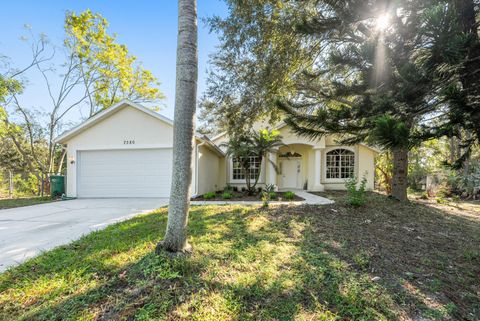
(196, 166)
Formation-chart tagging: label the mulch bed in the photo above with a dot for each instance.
(242, 196)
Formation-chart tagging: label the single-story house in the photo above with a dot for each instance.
(126, 151)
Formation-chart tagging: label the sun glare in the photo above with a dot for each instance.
(383, 22)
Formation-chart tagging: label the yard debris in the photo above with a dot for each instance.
(375, 279)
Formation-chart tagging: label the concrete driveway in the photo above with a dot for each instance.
(27, 231)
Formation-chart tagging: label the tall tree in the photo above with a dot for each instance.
(370, 87)
(259, 52)
(175, 239)
(96, 71)
(108, 70)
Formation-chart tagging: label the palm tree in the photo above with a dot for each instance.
(175, 239)
(257, 144)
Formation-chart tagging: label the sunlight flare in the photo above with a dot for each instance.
(383, 22)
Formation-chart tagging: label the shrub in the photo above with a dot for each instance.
(272, 195)
(270, 188)
(209, 195)
(228, 188)
(289, 195)
(227, 195)
(356, 196)
(265, 199)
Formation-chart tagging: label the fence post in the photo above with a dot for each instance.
(10, 184)
(41, 189)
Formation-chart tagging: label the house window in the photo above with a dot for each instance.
(340, 163)
(237, 171)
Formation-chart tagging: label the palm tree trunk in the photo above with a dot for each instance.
(400, 172)
(184, 127)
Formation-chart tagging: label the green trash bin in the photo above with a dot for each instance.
(57, 185)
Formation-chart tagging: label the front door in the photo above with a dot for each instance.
(291, 173)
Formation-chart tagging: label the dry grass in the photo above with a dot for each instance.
(384, 261)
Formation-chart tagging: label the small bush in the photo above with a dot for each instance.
(270, 188)
(356, 196)
(227, 195)
(289, 195)
(228, 188)
(272, 195)
(209, 195)
(424, 196)
(266, 199)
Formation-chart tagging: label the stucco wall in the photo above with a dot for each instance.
(366, 165)
(127, 124)
(209, 167)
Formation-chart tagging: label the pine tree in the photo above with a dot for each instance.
(370, 85)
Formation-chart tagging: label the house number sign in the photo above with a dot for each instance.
(129, 142)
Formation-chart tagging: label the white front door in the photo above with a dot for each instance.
(291, 173)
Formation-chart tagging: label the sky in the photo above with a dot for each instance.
(148, 28)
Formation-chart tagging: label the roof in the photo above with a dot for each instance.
(283, 124)
(64, 137)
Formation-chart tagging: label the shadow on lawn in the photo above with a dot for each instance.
(283, 263)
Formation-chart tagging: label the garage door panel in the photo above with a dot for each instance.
(125, 173)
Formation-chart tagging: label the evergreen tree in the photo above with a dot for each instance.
(370, 87)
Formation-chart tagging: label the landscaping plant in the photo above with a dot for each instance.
(209, 195)
(356, 196)
(289, 195)
(227, 195)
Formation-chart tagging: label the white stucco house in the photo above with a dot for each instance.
(126, 151)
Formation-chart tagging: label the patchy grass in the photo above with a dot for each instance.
(18, 202)
(384, 261)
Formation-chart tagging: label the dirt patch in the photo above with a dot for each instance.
(428, 252)
(241, 196)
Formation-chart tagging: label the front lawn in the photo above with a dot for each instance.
(27, 201)
(386, 261)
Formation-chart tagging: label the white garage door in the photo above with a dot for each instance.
(124, 173)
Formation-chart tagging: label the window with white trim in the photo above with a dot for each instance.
(237, 171)
(340, 163)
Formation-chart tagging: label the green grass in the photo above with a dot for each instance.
(18, 202)
(281, 263)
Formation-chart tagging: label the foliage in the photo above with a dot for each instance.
(209, 195)
(258, 53)
(272, 195)
(465, 183)
(289, 195)
(95, 71)
(270, 188)
(356, 194)
(227, 195)
(384, 171)
(245, 144)
(265, 199)
(108, 69)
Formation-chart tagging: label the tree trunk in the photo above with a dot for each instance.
(62, 159)
(184, 127)
(400, 172)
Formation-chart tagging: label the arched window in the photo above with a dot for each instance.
(340, 163)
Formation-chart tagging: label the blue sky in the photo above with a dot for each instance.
(148, 28)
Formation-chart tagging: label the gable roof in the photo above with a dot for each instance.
(283, 124)
(64, 137)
